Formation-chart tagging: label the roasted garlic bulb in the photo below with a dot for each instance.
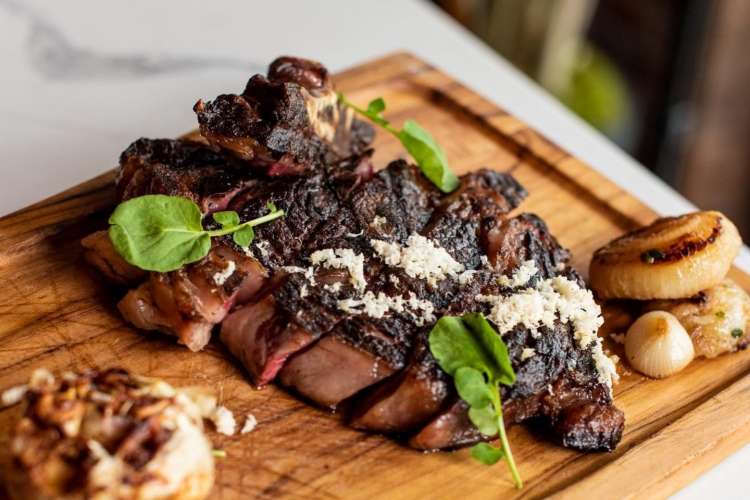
(110, 435)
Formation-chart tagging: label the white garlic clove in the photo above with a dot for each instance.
(657, 345)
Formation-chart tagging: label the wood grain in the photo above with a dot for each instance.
(55, 312)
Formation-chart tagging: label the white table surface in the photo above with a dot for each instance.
(81, 79)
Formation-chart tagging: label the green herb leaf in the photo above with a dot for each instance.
(487, 454)
(429, 156)
(484, 419)
(163, 233)
(244, 236)
(490, 339)
(417, 141)
(472, 387)
(470, 349)
(230, 218)
(376, 106)
(738, 332)
(471, 341)
(158, 233)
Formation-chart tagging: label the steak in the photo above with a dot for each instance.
(287, 122)
(335, 301)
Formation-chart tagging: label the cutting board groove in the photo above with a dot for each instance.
(57, 313)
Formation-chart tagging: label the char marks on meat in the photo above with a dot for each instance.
(336, 300)
(287, 122)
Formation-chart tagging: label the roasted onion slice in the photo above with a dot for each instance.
(674, 257)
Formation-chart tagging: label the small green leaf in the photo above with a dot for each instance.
(376, 106)
(159, 233)
(271, 206)
(426, 152)
(472, 387)
(244, 236)
(429, 156)
(227, 219)
(485, 419)
(487, 454)
(471, 341)
(502, 369)
(163, 233)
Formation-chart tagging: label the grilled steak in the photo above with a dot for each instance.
(336, 300)
(287, 122)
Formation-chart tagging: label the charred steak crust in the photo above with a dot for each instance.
(286, 140)
(287, 122)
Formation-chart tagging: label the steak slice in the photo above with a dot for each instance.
(365, 350)
(287, 122)
(100, 253)
(370, 349)
(181, 168)
(187, 303)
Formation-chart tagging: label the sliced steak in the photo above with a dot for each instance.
(100, 253)
(350, 323)
(365, 351)
(181, 168)
(188, 302)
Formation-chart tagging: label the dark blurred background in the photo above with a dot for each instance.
(667, 80)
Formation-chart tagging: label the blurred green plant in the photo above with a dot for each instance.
(596, 90)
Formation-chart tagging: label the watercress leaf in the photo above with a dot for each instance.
(471, 341)
(158, 233)
(227, 219)
(484, 419)
(376, 106)
(244, 236)
(487, 454)
(429, 156)
(472, 387)
(451, 344)
(493, 346)
(271, 206)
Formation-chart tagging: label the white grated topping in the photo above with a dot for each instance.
(466, 276)
(344, 258)
(223, 420)
(554, 298)
(605, 365)
(377, 306)
(420, 258)
(355, 235)
(378, 222)
(527, 353)
(250, 423)
(13, 395)
(222, 276)
(521, 276)
(394, 279)
(332, 288)
(263, 247)
(303, 291)
(309, 272)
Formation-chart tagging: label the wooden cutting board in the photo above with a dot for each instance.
(57, 313)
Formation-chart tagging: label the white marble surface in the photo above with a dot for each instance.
(81, 79)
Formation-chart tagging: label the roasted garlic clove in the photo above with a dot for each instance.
(657, 345)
